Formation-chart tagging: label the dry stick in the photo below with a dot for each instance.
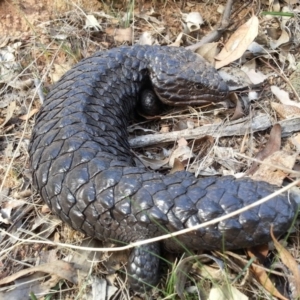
(162, 237)
(233, 128)
(282, 75)
(220, 28)
(222, 25)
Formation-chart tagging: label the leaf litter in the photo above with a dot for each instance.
(67, 33)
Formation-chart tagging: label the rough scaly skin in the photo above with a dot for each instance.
(84, 170)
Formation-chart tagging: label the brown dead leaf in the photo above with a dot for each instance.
(60, 268)
(182, 142)
(238, 113)
(283, 96)
(260, 251)
(263, 278)
(202, 146)
(285, 111)
(84, 260)
(45, 209)
(154, 164)
(238, 43)
(146, 38)
(46, 224)
(284, 38)
(296, 141)
(164, 128)
(9, 112)
(6, 209)
(92, 23)
(35, 284)
(226, 292)
(273, 168)
(208, 51)
(22, 194)
(121, 35)
(182, 152)
(273, 144)
(21, 84)
(29, 115)
(197, 262)
(255, 76)
(290, 262)
(177, 166)
(59, 70)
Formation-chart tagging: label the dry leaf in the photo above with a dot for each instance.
(193, 21)
(164, 128)
(21, 84)
(101, 290)
(36, 284)
(225, 156)
(29, 115)
(177, 166)
(146, 38)
(256, 77)
(154, 164)
(6, 209)
(290, 262)
(294, 79)
(60, 70)
(84, 261)
(283, 96)
(46, 224)
(226, 292)
(238, 112)
(296, 141)
(185, 265)
(291, 2)
(121, 35)
(263, 278)
(60, 268)
(45, 209)
(235, 78)
(92, 23)
(238, 43)
(208, 51)
(181, 274)
(284, 38)
(260, 252)
(182, 152)
(285, 111)
(273, 145)
(9, 112)
(182, 142)
(271, 171)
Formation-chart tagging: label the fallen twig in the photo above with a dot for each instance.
(237, 127)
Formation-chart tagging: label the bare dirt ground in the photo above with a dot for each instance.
(42, 258)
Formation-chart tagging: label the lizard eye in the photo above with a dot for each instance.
(198, 86)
